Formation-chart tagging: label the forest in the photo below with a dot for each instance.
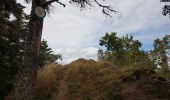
(29, 67)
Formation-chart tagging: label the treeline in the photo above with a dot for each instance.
(13, 31)
(125, 51)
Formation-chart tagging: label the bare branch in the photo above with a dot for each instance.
(61, 4)
(106, 9)
(51, 1)
(82, 3)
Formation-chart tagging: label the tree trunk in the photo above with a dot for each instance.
(31, 60)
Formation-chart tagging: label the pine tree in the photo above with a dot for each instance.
(47, 55)
(10, 46)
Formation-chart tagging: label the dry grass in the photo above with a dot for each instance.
(46, 76)
(47, 81)
(90, 80)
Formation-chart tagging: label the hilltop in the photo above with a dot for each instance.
(90, 80)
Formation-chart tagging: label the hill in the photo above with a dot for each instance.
(90, 80)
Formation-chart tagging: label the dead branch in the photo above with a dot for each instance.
(106, 9)
(51, 1)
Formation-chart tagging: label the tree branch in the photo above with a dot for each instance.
(51, 1)
(105, 9)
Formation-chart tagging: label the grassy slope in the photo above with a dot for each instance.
(89, 80)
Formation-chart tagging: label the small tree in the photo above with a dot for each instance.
(160, 53)
(47, 55)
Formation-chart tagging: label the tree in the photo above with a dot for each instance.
(47, 55)
(10, 64)
(33, 39)
(160, 53)
(10, 46)
(114, 47)
(166, 8)
(121, 50)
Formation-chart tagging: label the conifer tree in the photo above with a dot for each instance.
(11, 31)
(47, 55)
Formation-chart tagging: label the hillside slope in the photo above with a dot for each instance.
(90, 80)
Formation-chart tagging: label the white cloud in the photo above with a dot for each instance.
(139, 15)
(69, 28)
(71, 54)
(75, 33)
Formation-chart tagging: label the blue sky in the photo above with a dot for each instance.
(75, 34)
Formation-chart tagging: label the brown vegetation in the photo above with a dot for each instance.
(90, 80)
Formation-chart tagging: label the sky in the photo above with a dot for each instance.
(75, 33)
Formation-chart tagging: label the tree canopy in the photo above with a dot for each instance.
(122, 50)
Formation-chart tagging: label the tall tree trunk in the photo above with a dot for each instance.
(31, 61)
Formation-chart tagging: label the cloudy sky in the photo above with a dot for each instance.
(75, 33)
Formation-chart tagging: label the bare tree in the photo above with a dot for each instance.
(33, 39)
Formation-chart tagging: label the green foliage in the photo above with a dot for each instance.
(122, 50)
(111, 42)
(160, 53)
(10, 63)
(47, 55)
(126, 51)
(10, 46)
